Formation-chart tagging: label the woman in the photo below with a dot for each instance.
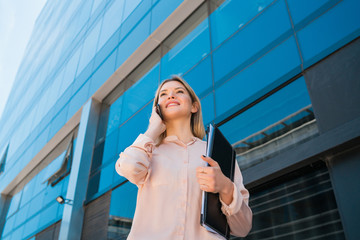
(169, 168)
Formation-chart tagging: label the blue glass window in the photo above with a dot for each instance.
(330, 31)
(266, 31)
(130, 21)
(102, 74)
(114, 115)
(189, 51)
(111, 22)
(129, 7)
(31, 226)
(110, 149)
(161, 10)
(200, 77)
(49, 214)
(123, 201)
(279, 65)
(140, 93)
(8, 225)
(133, 40)
(106, 176)
(27, 192)
(231, 16)
(14, 205)
(207, 105)
(101, 181)
(95, 5)
(274, 125)
(133, 127)
(89, 47)
(302, 12)
(122, 208)
(35, 204)
(70, 71)
(268, 111)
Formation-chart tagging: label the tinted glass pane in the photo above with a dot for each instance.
(304, 11)
(300, 205)
(106, 176)
(131, 19)
(14, 205)
(161, 11)
(89, 47)
(110, 149)
(200, 77)
(231, 16)
(35, 204)
(114, 115)
(207, 105)
(252, 41)
(31, 226)
(70, 71)
(133, 40)
(140, 93)
(259, 78)
(261, 132)
(101, 180)
(49, 214)
(132, 128)
(111, 22)
(8, 225)
(122, 208)
(330, 31)
(187, 52)
(130, 5)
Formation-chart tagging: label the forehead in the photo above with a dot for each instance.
(171, 84)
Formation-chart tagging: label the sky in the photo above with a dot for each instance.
(17, 19)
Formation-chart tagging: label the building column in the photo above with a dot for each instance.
(4, 207)
(73, 214)
(345, 179)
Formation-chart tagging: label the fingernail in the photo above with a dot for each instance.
(203, 155)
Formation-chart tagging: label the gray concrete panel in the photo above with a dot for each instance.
(73, 214)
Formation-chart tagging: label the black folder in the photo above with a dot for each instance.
(219, 149)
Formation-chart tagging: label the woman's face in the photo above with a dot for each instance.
(175, 101)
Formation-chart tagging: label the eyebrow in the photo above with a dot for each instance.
(164, 90)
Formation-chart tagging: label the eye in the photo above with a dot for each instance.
(180, 91)
(162, 94)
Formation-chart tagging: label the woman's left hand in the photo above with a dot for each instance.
(211, 179)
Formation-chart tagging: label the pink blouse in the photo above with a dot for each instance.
(169, 197)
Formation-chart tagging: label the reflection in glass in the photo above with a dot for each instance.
(299, 205)
(294, 129)
(277, 123)
(122, 208)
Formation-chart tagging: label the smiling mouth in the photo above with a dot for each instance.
(172, 105)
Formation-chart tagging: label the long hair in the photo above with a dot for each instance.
(196, 122)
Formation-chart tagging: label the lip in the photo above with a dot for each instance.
(170, 102)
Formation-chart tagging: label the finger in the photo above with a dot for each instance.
(209, 160)
(204, 187)
(202, 176)
(201, 170)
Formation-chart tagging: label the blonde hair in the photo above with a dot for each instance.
(196, 122)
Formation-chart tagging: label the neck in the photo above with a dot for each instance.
(180, 128)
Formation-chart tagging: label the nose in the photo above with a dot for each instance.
(171, 95)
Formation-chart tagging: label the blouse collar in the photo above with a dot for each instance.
(175, 139)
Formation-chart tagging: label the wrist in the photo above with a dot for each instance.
(152, 134)
(228, 189)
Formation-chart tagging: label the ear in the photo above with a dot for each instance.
(195, 107)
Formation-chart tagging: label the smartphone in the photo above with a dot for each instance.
(158, 110)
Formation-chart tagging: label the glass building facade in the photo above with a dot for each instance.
(279, 77)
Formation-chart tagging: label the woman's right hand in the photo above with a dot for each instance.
(156, 125)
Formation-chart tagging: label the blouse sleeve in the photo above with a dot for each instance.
(238, 212)
(134, 162)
